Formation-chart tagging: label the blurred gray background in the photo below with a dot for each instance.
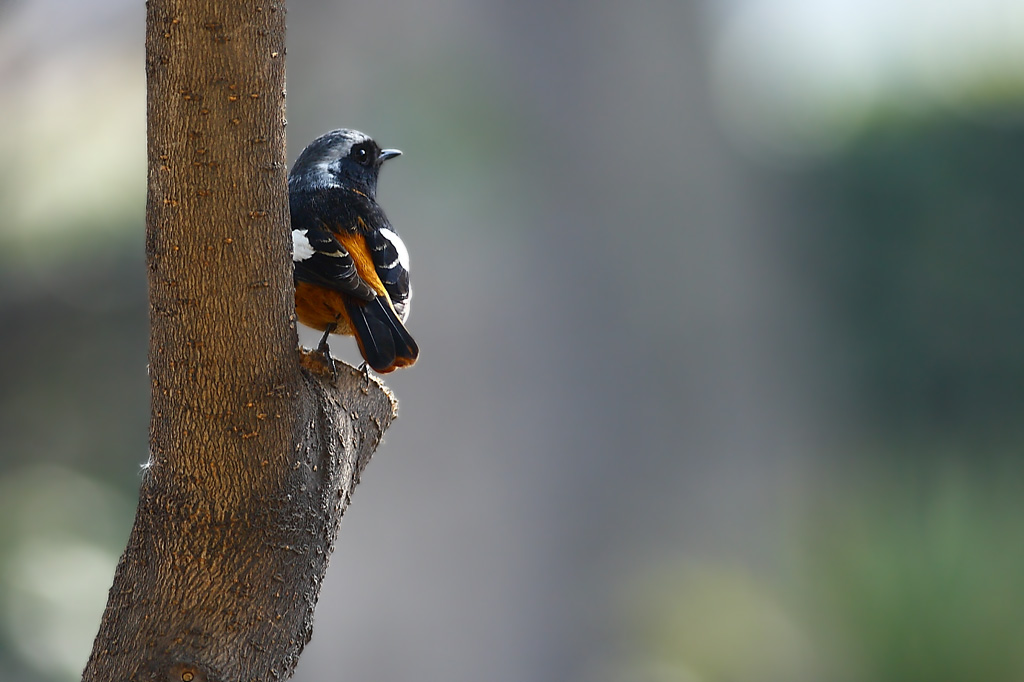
(721, 310)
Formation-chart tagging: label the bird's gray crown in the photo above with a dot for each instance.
(313, 164)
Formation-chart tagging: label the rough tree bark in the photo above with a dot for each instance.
(253, 454)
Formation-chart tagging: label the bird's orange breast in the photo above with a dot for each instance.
(318, 307)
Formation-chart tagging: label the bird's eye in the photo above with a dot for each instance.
(362, 156)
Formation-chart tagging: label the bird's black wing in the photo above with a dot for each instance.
(330, 265)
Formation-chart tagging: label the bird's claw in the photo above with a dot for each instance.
(365, 369)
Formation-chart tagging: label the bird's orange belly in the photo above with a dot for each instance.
(317, 307)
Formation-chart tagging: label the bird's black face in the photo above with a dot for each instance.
(340, 158)
(359, 168)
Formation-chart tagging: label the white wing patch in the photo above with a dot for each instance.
(301, 248)
(396, 241)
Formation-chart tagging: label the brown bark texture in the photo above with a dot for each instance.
(254, 452)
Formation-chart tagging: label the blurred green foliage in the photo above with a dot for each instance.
(715, 622)
(61, 533)
(916, 249)
(73, 415)
(923, 576)
(905, 563)
(910, 579)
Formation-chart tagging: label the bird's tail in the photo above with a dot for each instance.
(383, 340)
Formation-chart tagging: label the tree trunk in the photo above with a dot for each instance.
(253, 454)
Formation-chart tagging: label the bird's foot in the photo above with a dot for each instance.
(365, 369)
(323, 350)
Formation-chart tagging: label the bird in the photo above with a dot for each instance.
(351, 267)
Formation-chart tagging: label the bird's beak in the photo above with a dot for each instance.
(386, 154)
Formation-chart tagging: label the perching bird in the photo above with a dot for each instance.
(351, 267)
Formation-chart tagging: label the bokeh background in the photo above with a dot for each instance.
(721, 307)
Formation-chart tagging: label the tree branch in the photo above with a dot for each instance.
(253, 454)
